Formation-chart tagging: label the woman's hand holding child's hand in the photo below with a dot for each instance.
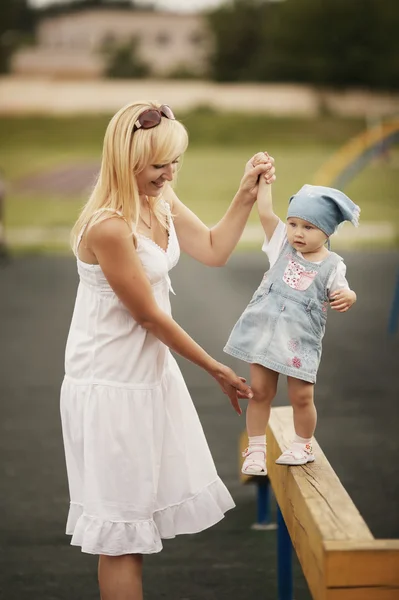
(262, 158)
(260, 165)
(342, 300)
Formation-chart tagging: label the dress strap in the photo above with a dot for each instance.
(166, 205)
(80, 237)
(167, 209)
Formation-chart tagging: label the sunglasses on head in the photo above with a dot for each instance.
(152, 117)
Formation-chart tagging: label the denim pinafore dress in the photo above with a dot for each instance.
(283, 325)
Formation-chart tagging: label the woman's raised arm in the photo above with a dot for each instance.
(213, 247)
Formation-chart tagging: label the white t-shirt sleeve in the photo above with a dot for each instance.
(337, 279)
(274, 246)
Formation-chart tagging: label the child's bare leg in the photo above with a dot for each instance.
(264, 386)
(120, 577)
(301, 395)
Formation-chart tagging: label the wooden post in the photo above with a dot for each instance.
(340, 558)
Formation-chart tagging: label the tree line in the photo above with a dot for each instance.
(323, 42)
(336, 43)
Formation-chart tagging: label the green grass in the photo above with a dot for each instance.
(220, 144)
(209, 178)
(26, 210)
(28, 144)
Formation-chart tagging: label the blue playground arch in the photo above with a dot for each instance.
(351, 158)
(346, 164)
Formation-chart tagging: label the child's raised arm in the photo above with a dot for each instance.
(264, 203)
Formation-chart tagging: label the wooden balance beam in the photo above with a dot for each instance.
(340, 558)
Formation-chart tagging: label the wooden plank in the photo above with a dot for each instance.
(304, 534)
(315, 505)
(362, 594)
(362, 564)
(334, 513)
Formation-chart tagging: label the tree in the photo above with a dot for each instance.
(123, 60)
(325, 42)
(238, 33)
(17, 20)
(68, 6)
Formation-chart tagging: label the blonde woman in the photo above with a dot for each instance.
(139, 468)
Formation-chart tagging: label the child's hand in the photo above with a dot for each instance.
(264, 169)
(342, 300)
(263, 158)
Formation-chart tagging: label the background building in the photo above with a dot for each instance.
(74, 44)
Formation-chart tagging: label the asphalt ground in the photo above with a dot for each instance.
(357, 397)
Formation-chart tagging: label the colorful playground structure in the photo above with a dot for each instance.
(351, 158)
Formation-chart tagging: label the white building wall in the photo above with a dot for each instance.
(166, 41)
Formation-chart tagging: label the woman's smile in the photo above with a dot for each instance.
(159, 183)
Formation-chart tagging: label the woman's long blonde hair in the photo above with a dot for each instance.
(125, 155)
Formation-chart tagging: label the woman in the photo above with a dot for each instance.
(139, 467)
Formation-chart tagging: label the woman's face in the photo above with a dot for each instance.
(152, 179)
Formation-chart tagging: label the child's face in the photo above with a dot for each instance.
(304, 236)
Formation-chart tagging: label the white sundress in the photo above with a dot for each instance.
(139, 467)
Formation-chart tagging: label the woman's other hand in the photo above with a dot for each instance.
(232, 385)
(260, 165)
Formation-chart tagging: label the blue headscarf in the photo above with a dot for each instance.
(324, 207)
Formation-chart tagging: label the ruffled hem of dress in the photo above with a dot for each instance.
(114, 538)
(270, 364)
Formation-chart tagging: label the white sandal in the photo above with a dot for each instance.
(297, 454)
(252, 465)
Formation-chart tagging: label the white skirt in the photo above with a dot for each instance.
(139, 467)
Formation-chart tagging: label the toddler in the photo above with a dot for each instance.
(281, 329)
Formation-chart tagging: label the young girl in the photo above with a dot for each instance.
(282, 328)
(139, 467)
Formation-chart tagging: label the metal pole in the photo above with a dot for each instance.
(284, 560)
(394, 316)
(3, 247)
(263, 522)
(263, 497)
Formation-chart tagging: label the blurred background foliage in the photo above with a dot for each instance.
(17, 26)
(123, 60)
(324, 42)
(321, 42)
